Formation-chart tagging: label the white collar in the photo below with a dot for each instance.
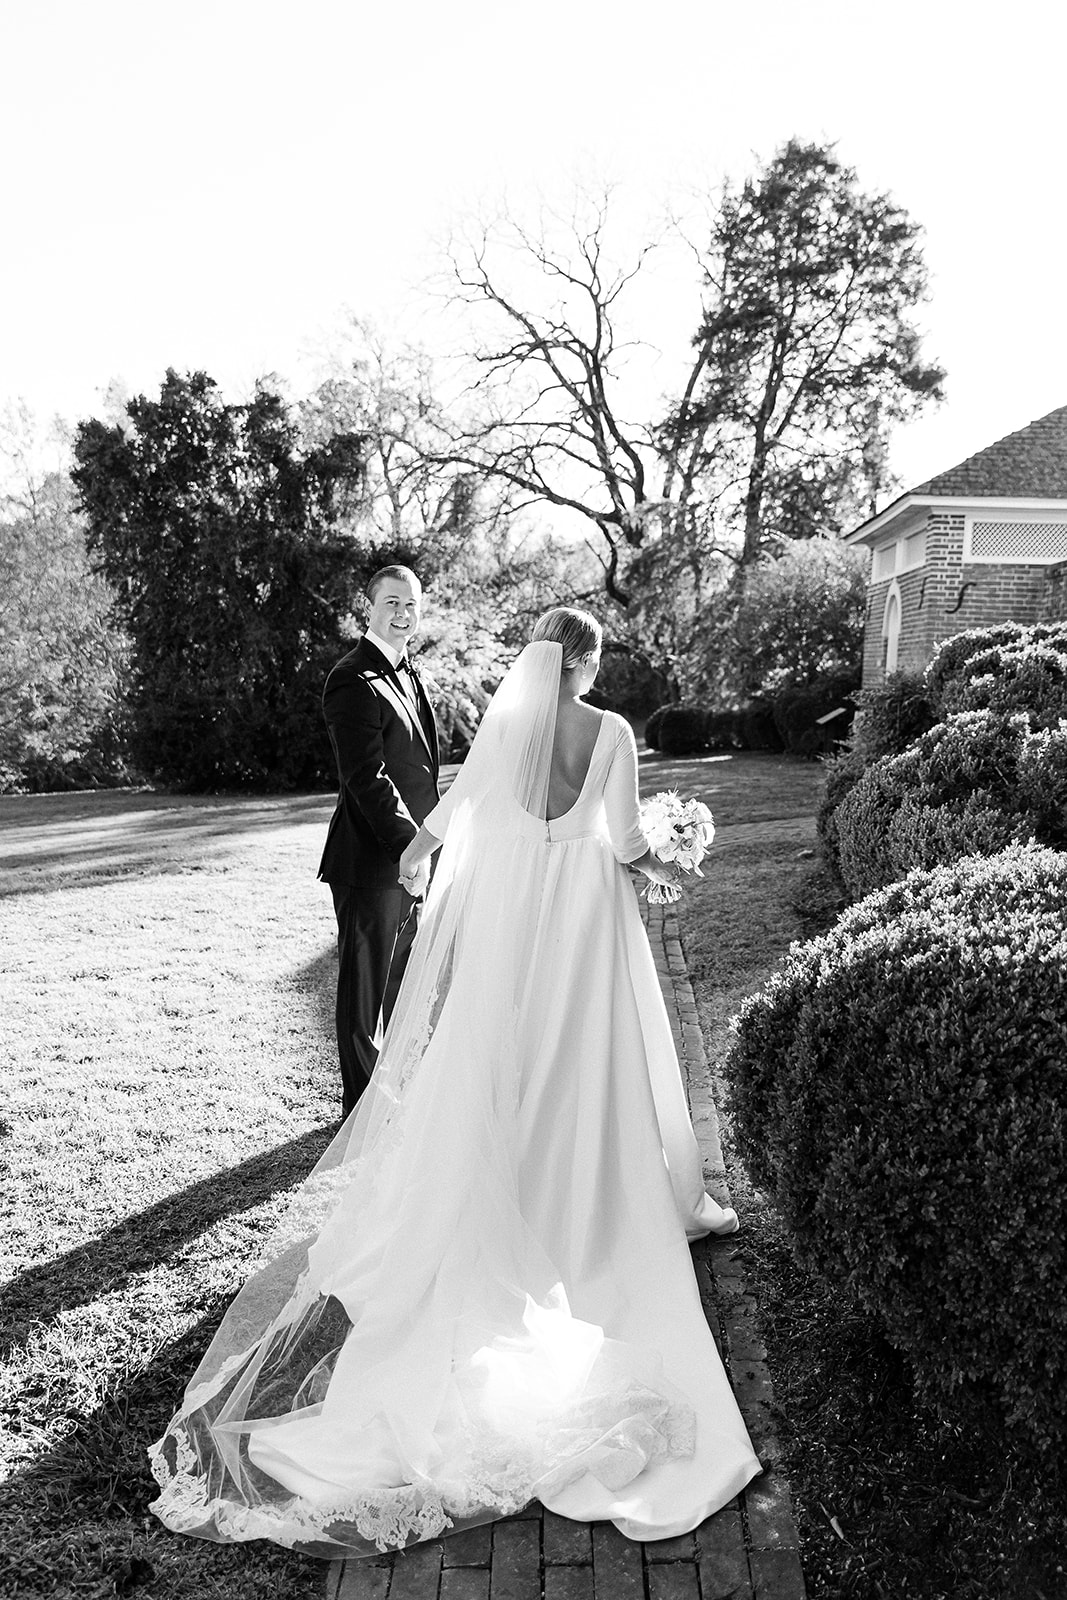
(392, 655)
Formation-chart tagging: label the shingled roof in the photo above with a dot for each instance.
(1030, 463)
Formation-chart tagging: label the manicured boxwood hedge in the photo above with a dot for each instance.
(952, 655)
(785, 720)
(724, 730)
(889, 717)
(750, 728)
(797, 710)
(652, 727)
(681, 731)
(892, 715)
(1030, 676)
(759, 731)
(900, 1090)
(1003, 669)
(970, 785)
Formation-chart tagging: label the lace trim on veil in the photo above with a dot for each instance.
(389, 1519)
(494, 1476)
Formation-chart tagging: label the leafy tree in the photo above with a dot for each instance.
(232, 577)
(800, 617)
(806, 354)
(488, 570)
(59, 656)
(803, 359)
(411, 499)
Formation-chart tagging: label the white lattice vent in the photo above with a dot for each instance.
(1018, 541)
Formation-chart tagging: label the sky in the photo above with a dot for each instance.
(209, 185)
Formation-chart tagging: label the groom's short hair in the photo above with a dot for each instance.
(404, 574)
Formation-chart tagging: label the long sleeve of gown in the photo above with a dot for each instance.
(621, 798)
(436, 821)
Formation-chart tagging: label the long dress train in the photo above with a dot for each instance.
(497, 1301)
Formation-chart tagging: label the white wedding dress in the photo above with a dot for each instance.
(489, 1298)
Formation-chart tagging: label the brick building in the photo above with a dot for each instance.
(982, 543)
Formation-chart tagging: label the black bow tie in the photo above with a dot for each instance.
(407, 674)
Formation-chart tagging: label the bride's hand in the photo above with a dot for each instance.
(416, 879)
(414, 870)
(670, 873)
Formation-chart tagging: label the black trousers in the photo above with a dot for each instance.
(375, 928)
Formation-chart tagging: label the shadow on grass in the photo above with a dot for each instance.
(77, 1515)
(73, 1518)
(151, 1236)
(101, 838)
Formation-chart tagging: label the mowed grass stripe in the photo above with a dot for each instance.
(169, 1073)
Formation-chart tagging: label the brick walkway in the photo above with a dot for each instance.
(748, 1550)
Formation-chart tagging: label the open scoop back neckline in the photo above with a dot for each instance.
(581, 791)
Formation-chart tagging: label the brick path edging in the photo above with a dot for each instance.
(766, 1530)
(747, 1551)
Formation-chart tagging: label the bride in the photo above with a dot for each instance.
(488, 1297)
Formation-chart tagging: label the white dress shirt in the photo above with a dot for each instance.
(397, 659)
(393, 656)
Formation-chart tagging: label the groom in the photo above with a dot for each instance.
(384, 738)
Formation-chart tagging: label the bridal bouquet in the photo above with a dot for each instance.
(677, 830)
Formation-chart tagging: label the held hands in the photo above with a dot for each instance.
(414, 876)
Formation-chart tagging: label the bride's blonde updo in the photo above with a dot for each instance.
(577, 631)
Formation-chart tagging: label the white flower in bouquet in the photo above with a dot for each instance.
(676, 830)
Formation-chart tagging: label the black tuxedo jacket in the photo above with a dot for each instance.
(387, 763)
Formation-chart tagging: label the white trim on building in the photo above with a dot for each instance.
(892, 557)
(916, 507)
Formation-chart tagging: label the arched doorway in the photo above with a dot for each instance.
(891, 629)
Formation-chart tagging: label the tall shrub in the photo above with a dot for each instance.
(800, 617)
(61, 659)
(889, 716)
(950, 660)
(900, 1090)
(972, 784)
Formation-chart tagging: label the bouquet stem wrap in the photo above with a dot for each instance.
(676, 830)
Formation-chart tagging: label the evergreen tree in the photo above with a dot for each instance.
(234, 578)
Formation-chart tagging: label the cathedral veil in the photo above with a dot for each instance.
(406, 1361)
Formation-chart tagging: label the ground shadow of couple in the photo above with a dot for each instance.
(95, 1477)
(93, 1482)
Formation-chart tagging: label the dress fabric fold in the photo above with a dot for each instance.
(488, 1296)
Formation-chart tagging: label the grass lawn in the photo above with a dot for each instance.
(167, 973)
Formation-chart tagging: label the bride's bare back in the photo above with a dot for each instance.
(577, 726)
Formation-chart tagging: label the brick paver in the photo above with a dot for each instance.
(749, 1549)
